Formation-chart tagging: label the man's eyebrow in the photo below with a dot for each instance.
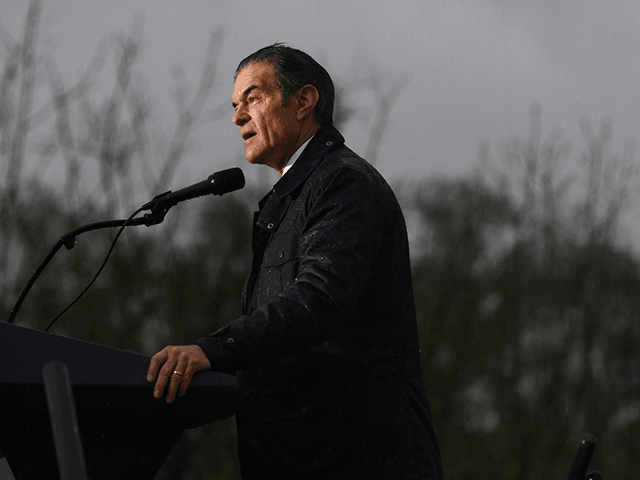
(244, 94)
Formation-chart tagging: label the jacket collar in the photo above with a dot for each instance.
(322, 143)
(274, 205)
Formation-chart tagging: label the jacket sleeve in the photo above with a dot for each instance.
(342, 235)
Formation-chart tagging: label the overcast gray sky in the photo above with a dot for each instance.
(474, 67)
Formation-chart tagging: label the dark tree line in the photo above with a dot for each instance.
(525, 281)
(528, 301)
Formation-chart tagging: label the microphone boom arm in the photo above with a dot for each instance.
(69, 240)
(218, 183)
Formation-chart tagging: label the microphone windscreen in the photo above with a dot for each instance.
(226, 181)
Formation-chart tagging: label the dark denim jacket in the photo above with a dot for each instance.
(326, 352)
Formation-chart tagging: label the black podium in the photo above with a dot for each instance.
(126, 433)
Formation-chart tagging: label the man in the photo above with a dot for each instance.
(326, 352)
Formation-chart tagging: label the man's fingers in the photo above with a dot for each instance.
(163, 378)
(186, 379)
(177, 376)
(174, 368)
(156, 362)
(165, 360)
(198, 361)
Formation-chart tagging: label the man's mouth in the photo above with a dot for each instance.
(248, 135)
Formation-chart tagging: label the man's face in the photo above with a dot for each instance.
(268, 127)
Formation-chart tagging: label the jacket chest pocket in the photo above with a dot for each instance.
(279, 267)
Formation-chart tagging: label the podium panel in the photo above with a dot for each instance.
(126, 433)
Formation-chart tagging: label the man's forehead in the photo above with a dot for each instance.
(255, 75)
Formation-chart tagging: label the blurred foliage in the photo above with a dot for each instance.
(529, 312)
(527, 294)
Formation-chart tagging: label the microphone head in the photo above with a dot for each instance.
(226, 181)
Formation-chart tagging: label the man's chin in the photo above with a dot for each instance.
(261, 160)
(254, 160)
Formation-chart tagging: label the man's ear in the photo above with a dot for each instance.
(307, 99)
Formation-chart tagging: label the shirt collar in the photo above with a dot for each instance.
(325, 140)
(295, 156)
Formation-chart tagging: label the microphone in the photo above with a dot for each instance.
(219, 183)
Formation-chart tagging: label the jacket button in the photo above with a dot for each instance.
(270, 226)
(230, 340)
(281, 255)
(329, 143)
(304, 410)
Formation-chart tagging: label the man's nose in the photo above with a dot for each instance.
(240, 117)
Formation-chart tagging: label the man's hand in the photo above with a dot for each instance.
(176, 366)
